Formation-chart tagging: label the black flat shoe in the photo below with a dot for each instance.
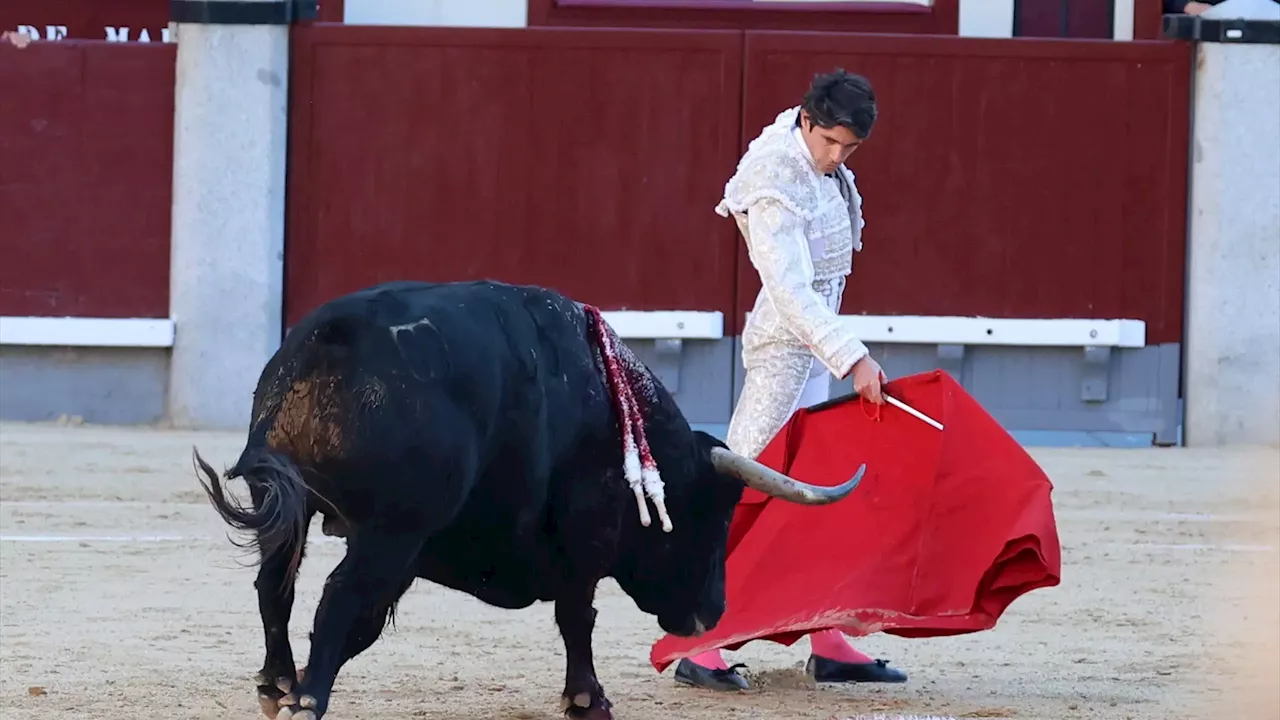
(833, 671)
(724, 680)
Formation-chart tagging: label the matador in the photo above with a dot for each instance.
(799, 211)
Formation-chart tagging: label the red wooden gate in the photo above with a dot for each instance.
(1036, 178)
(1027, 179)
(588, 160)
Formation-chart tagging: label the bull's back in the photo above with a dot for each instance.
(456, 377)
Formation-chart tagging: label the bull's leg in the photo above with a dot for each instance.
(583, 694)
(364, 631)
(366, 584)
(368, 627)
(275, 588)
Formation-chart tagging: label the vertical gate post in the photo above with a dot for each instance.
(1232, 376)
(227, 244)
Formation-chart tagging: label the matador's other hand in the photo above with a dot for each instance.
(867, 376)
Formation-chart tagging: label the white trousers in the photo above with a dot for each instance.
(816, 390)
(771, 393)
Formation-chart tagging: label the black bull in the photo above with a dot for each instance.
(490, 438)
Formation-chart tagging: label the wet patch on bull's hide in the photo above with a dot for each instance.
(371, 393)
(633, 368)
(308, 422)
(638, 374)
(267, 400)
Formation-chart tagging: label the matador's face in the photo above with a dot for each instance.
(830, 147)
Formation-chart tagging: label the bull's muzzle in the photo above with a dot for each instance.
(775, 484)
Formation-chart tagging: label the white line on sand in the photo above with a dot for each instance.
(315, 538)
(92, 538)
(1229, 547)
(895, 717)
(95, 503)
(126, 538)
(1124, 516)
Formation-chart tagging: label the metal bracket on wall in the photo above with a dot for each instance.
(242, 12)
(951, 359)
(667, 355)
(1094, 382)
(1224, 30)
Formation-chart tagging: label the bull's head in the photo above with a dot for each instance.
(679, 576)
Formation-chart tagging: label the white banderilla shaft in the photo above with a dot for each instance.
(912, 411)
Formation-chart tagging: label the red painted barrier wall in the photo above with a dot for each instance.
(86, 159)
(1022, 179)
(586, 160)
(1017, 179)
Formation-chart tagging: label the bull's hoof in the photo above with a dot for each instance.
(305, 709)
(586, 706)
(270, 705)
(273, 697)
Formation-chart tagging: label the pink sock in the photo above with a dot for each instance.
(711, 660)
(833, 645)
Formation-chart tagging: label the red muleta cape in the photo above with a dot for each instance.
(946, 529)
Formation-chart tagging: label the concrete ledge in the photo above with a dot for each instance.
(107, 385)
(1013, 332)
(87, 332)
(159, 332)
(666, 324)
(656, 325)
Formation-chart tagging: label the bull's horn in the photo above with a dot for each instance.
(775, 484)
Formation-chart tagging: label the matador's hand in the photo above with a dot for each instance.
(867, 377)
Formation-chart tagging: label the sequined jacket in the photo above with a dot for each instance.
(801, 232)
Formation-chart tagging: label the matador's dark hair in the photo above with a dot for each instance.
(841, 98)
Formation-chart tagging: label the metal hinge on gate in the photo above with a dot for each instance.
(668, 354)
(951, 359)
(241, 12)
(1095, 375)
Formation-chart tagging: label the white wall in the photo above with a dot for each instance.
(986, 18)
(446, 13)
(1122, 22)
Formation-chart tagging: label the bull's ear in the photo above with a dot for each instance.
(706, 441)
(729, 488)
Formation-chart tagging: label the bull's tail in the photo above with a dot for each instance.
(638, 464)
(277, 518)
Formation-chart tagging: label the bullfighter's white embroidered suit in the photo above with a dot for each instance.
(801, 228)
